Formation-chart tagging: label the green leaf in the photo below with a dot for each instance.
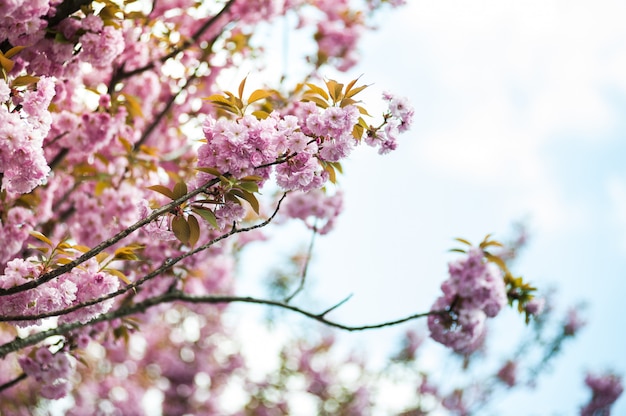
(207, 214)
(163, 191)
(253, 178)
(249, 186)
(194, 230)
(181, 229)
(247, 196)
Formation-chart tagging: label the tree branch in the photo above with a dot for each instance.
(161, 269)
(65, 9)
(186, 44)
(13, 382)
(172, 296)
(305, 268)
(107, 243)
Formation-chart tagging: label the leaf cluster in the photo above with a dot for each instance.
(183, 221)
(230, 103)
(64, 253)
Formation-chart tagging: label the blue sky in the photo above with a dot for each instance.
(519, 115)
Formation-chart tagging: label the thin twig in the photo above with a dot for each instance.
(186, 44)
(167, 264)
(332, 308)
(309, 255)
(13, 382)
(107, 243)
(169, 297)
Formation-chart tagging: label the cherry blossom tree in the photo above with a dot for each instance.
(133, 180)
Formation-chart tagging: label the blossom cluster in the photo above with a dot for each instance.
(25, 122)
(50, 371)
(80, 285)
(295, 143)
(605, 389)
(474, 291)
(315, 208)
(21, 21)
(398, 119)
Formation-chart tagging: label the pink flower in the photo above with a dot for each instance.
(605, 389)
(508, 373)
(573, 323)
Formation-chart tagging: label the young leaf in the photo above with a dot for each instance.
(180, 228)
(249, 197)
(163, 191)
(260, 114)
(14, 51)
(334, 89)
(464, 241)
(63, 260)
(180, 190)
(24, 80)
(119, 275)
(6, 63)
(332, 175)
(317, 90)
(258, 95)
(352, 93)
(125, 253)
(41, 237)
(211, 171)
(194, 230)
(242, 85)
(318, 101)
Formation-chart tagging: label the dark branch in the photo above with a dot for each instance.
(305, 268)
(332, 308)
(186, 44)
(65, 9)
(167, 264)
(107, 243)
(13, 382)
(172, 296)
